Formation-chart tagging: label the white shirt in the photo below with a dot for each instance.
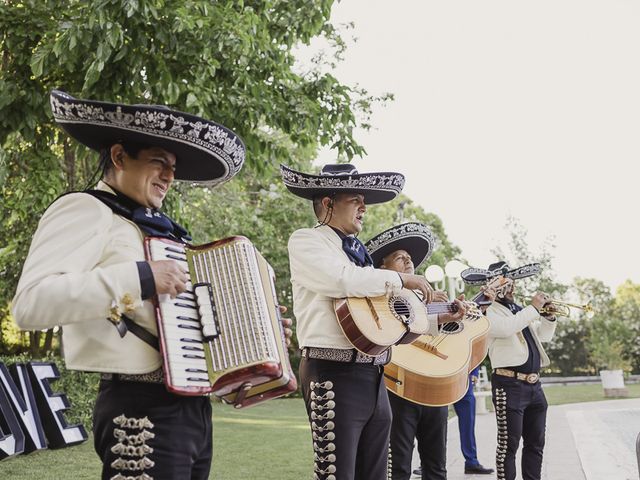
(81, 265)
(321, 272)
(507, 345)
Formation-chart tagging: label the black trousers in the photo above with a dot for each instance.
(521, 412)
(142, 431)
(350, 419)
(426, 424)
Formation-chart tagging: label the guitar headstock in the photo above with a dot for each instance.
(473, 311)
(499, 283)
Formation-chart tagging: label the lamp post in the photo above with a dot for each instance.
(447, 279)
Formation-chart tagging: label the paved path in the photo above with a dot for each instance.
(585, 441)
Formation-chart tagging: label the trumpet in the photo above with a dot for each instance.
(563, 309)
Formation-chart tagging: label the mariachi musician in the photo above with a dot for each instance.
(403, 248)
(343, 388)
(86, 271)
(516, 334)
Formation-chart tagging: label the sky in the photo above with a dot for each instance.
(509, 108)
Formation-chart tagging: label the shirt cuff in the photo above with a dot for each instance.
(147, 283)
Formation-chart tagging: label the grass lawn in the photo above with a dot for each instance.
(266, 442)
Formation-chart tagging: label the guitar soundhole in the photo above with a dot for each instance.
(450, 328)
(401, 309)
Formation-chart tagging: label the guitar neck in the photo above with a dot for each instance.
(481, 300)
(441, 307)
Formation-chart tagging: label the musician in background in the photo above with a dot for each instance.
(343, 388)
(516, 353)
(399, 249)
(86, 271)
(466, 411)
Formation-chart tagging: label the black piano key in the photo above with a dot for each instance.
(175, 257)
(197, 357)
(184, 305)
(190, 319)
(198, 379)
(195, 370)
(174, 249)
(191, 340)
(192, 349)
(188, 327)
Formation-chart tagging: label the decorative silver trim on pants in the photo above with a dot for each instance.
(132, 445)
(501, 420)
(322, 412)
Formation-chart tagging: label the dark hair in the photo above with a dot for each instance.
(131, 148)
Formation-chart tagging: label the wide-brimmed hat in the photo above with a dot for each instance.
(413, 237)
(480, 276)
(377, 187)
(206, 152)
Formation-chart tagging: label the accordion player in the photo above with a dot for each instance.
(223, 335)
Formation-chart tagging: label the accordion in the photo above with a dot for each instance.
(223, 335)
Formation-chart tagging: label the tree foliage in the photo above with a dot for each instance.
(230, 61)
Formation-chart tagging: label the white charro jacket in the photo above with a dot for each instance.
(507, 345)
(321, 272)
(81, 267)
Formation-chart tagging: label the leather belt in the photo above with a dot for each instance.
(525, 377)
(344, 355)
(152, 377)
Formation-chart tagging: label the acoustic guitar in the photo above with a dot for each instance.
(374, 324)
(434, 370)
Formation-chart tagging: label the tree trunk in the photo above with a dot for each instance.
(48, 341)
(34, 344)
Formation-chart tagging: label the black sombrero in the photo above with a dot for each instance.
(377, 187)
(413, 237)
(206, 152)
(480, 276)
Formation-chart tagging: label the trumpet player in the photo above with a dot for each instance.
(516, 353)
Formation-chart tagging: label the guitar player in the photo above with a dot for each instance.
(343, 388)
(402, 249)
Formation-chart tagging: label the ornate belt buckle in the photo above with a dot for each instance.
(532, 378)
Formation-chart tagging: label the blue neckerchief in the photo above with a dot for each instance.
(355, 249)
(151, 221)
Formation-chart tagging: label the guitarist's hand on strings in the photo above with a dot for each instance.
(418, 282)
(457, 315)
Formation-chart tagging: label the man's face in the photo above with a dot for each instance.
(398, 261)
(348, 212)
(146, 179)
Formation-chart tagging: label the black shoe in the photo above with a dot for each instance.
(479, 469)
(418, 472)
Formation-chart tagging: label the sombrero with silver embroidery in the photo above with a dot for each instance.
(480, 276)
(413, 237)
(377, 187)
(205, 151)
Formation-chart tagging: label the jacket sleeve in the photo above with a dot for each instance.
(63, 280)
(545, 329)
(503, 323)
(322, 270)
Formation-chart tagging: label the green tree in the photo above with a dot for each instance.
(626, 308)
(229, 61)
(402, 209)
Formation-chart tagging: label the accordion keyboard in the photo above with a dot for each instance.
(181, 327)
